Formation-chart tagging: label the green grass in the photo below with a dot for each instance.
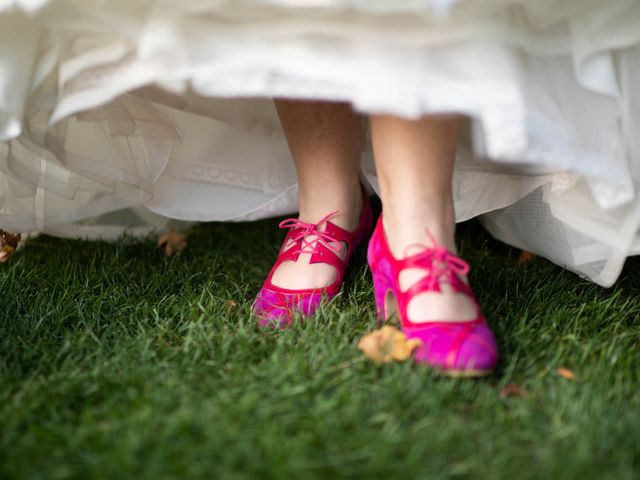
(116, 362)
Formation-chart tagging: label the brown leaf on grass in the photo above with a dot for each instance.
(8, 244)
(6, 252)
(525, 258)
(387, 344)
(172, 242)
(566, 373)
(232, 303)
(513, 390)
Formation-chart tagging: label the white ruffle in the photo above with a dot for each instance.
(107, 106)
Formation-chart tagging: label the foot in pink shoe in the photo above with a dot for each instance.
(278, 306)
(457, 348)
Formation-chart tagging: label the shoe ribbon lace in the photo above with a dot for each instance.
(305, 230)
(439, 263)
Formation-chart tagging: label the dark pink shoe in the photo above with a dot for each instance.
(278, 306)
(462, 348)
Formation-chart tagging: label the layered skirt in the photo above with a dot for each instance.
(118, 116)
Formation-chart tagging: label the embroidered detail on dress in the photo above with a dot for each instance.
(223, 175)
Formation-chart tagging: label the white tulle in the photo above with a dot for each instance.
(116, 116)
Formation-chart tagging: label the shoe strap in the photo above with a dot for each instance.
(441, 266)
(324, 247)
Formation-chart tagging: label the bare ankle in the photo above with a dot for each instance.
(407, 231)
(344, 198)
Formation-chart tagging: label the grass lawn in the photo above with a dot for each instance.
(118, 362)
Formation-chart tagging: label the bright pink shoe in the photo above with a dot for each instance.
(465, 348)
(278, 306)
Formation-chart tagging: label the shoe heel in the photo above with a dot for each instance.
(380, 288)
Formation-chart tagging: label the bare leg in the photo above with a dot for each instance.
(326, 141)
(414, 162)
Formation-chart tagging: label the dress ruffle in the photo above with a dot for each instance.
(116, 116)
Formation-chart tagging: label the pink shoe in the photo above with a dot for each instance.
(466, 348)
(277, 306)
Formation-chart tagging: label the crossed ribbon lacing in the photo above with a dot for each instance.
(311, 230)
(440, 264)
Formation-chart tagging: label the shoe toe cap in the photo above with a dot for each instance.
(458, 349)
(279, 309)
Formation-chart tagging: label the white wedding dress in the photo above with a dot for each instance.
(116, 116)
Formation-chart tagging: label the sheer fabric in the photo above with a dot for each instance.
(116, 116)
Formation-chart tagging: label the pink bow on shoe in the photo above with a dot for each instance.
(304, 230)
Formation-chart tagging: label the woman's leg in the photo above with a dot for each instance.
(326, 141)
(414, 163)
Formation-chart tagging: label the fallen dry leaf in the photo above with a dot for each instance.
(513, 390)
(526, 258)
(172, 242)
(387, 344)
(8, 244)
(566, 373)
(232, 303)
(5, 253)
